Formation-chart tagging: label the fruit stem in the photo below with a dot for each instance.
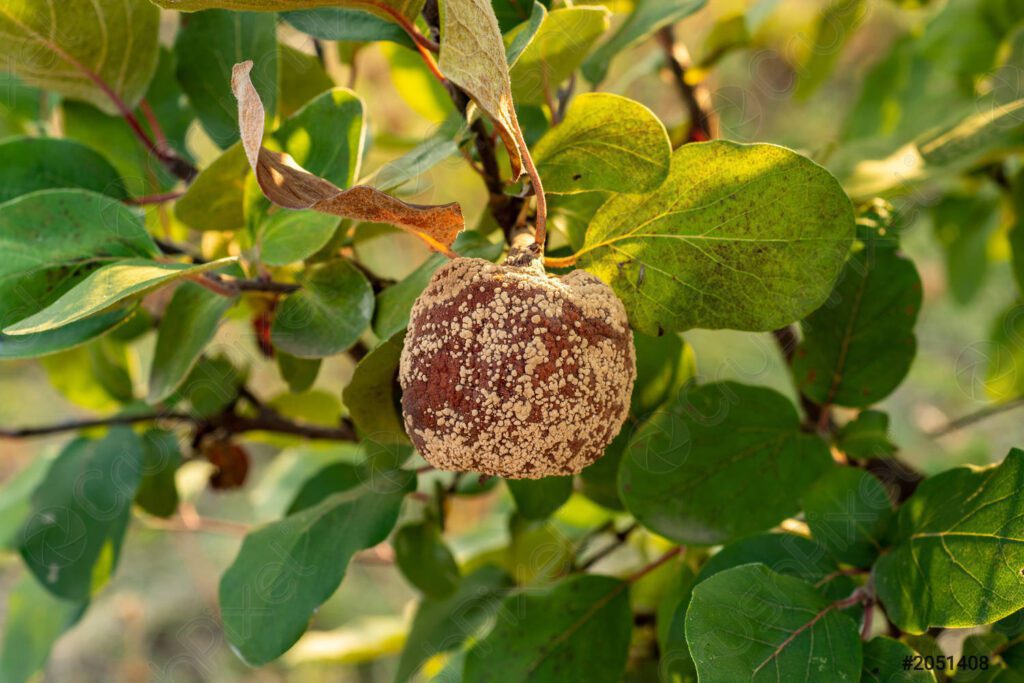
(540, 235)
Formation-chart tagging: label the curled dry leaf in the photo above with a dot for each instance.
(473, 57)
(287, 184)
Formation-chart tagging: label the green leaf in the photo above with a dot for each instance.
(211, 386)
(72, 539)
(285, 570)
(346, 24)
(287, 236)
(416, 85)
(441, 624)
(64, 338)
(663, 367)
(425, 560)
(34, 621)
(106, 287)
(787, 554)
(327, 315)
(539, 498)
(334, 478)
(292, 469)
(964, 226)
(394, 303)
(990, 645)
(206, 46)
(1004, 378)
(848, 511)
(303, 77)
(372, 396)
(958, 551)
(114, 42)
(299, 373)
(32, 164)
(73, 374)
(883, 658)
(325, 136)
(867, 436)
(473, 57)
(717, 444)
(835, 24)
(511, 13)
(1016, 232)
(749, 237)
(187, 326)
(647, 17)
(572, 213)
(558, 48)
(783, 553)
(214, 199)
(581, 624)
(409, 9)
(157, 493)
(15, 498)
(605, 142)
(52, 239)
(517, 40)
(752, 624)
(421, 158)
(986, 132)
(858, 347)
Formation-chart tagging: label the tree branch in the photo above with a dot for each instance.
(696, 99)
(267, 420)
(975, 417)
(620, 540)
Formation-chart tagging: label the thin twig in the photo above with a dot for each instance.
(267, 421)
(647, 569)
(975, 417)
(75, 425)
(620, 540)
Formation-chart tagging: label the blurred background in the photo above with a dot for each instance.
(801, 73)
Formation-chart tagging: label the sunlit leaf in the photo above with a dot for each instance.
(748, 237)
(107, 286)
(605, 142)
(98, 48)
(958, 551)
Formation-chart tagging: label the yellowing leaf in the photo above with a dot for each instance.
(287, 184)
(747, 237)
(91, 50)
(606, 142)
(473, 57)
(106, 287)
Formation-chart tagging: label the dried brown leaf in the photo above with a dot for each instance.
(473, 57)
(287, 184)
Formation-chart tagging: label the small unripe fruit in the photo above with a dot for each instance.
(512, 372)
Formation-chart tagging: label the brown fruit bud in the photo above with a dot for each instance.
(512, 372)
(231, 463)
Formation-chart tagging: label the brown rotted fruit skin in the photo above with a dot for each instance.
(511, 372)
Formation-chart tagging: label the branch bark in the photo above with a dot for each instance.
(696, 98)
